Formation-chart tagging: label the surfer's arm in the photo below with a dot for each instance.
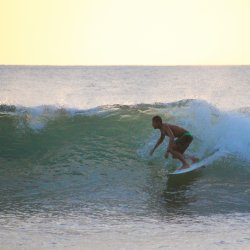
(171, 138)
(158, 143)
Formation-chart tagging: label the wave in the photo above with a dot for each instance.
(33, 131)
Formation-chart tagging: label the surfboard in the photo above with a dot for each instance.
(201, 164)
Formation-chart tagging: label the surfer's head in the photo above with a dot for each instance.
(156, 122)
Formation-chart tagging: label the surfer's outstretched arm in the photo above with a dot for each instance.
(158, 143)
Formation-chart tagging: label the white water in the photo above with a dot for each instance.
(202, 233)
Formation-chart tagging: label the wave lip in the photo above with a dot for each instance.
(7, 108)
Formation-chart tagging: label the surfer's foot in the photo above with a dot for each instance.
(184, 166)
(194, 160)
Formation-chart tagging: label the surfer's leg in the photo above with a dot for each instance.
(179, 148)
(183, 144)
(179, 156)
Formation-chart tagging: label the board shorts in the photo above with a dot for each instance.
(183, 142)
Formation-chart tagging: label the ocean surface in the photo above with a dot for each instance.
(75, 170)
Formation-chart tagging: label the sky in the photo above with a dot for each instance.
(125, 32)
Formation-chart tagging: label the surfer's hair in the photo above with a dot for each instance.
(157, 118)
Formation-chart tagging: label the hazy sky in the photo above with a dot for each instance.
(125, 32)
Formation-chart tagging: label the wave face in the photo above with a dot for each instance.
(28, 130)
(75, 144)
(104, 152)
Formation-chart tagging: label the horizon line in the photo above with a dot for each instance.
(128, 65)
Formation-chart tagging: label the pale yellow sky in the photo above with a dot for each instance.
(125, 32)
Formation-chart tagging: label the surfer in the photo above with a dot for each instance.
(176, 147)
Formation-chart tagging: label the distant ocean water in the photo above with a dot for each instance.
(75, 170)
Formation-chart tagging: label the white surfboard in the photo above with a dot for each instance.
(203, 163)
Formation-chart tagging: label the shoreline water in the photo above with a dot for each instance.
(215, 233)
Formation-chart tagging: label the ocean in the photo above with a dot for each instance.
(75, 170)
